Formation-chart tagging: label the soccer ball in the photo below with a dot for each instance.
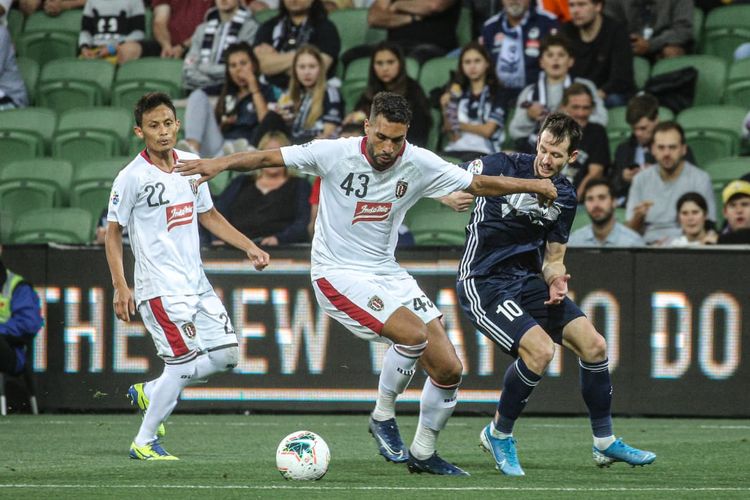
(303, 456)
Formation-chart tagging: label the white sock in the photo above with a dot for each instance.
(398, 369)
(213, 362)
(436, 405)
(164, 398)
(497, 434)
(603, 443)
(424, 442)
(148, 388)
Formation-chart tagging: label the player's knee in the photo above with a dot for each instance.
(541, 356)
(225, 359)
(448, 374)
(596, 349)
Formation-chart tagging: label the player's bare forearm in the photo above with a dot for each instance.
(554, 265)
(243, 162)
(222, 229)
(486, 185)
(113, 251)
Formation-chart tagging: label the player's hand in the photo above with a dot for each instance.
(558, 289)
(124, 303)
(207, 168)
(258, 258)
(460, 201)
(546, 190)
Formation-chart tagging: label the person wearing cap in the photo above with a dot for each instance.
(736, 198)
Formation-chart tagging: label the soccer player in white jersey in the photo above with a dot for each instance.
(368, 183)
(187, 321)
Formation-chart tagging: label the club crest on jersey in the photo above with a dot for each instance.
(369, 211)
(189, 330)
(401, 187)
(194, 186)
(115, 198)
(376, 303)
(179, 215)
(475, 167)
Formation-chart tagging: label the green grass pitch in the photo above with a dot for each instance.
(233, 456)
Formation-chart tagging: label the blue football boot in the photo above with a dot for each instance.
(503, 451)
(434, 465)
(389, 440)
(621, 452)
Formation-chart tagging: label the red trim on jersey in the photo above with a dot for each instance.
(351, 309)
(170, 329)
(144, 154)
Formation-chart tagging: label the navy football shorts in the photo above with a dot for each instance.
(504, 308)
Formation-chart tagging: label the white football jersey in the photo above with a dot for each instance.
(161, 210)
(362, 208)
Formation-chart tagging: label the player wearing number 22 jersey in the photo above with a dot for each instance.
(368, 184)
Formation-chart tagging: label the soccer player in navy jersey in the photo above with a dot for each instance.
(512, 284)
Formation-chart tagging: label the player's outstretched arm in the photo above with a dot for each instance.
(123, 300)
(243, 162)
(222, 229)
(555, 274)
(498, 185)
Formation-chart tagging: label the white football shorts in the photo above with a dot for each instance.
(185, 324)
(364, 302)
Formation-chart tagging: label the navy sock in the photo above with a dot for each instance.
(596, 388)
(518, 383)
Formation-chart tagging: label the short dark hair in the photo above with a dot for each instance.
(577, 88)
(642, 106)
(556, 40)
(562, 127)
(149, 101)
(696, 198)
(670, 125)
(393, 107)
(598, 182)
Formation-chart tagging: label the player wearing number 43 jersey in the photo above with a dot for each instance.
(187, 321)
(368, 184)
(512, 283)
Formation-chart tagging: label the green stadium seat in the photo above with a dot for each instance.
(698, 18)
(436, 72)
(737, 91)
(149, 22)
(641, 71)
(712, 131)
(435, 137)
(92, 182)
(68, 21)
(463, 27)
(725, 170)
(264, 15)
(6, 227)
(352, 27)
(581, 219)
(29, 69)
(26, 133)
(15, 23)
(91, 134)
(45, 46)
(70, 226)
(30, 184)
(351, 90)
(219, 183)
(74, 83)
(712, 72)
(148, 74)
(432, 223)
(725, 29)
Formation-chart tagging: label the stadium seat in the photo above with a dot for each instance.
(712, 131)
(436, 72)
(70, 226)
(45, 46)
(725, 170)
(737, 91)
(74, 83)
(711, 75)
(353, 28)
(148, 74)
(15, 23)
(92, 133)
(726, 28)
(432, 223)
(264, 15)
(698, 18)
(463, 26)
(29, 69)
(435, 137)
(26, 133)
(69, 21)
(6, 226)
(641, 71)
(38, 183)
(92, 182)
(581, 219)
(351, 90)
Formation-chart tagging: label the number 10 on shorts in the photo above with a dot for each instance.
(509, 309)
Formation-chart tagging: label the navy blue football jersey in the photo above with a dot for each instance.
(515, 227)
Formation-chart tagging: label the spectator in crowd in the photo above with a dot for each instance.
(388, 73)
(658, 29)
(20, 320)
(652, 201)
(634, 154)
(592, 161)
(51, 7)
(424, 29)
(173, 25)
(692, 216)
(242, 105)
(540, 98)
(299, 22)
(604, 230)
(271, 207)
(205, 63)
(736, 198)
(513, 39)
(112, 30)
(602, 52)
(12, 89)
(473, 115)
(4, 8)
